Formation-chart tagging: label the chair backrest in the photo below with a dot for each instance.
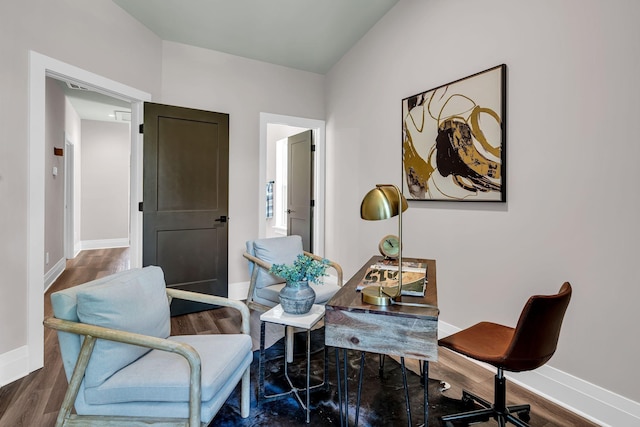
(536, 335)
(274, 250)
(125, 285)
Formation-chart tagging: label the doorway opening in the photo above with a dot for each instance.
(277, 175)
(275, 127)
(96, 157)
(40, 67)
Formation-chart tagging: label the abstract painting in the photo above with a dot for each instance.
(453, 140)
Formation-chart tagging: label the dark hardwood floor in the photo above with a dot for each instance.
(34, 400)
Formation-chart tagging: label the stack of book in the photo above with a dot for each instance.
(385, 273)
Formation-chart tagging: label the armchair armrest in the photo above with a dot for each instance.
(117, 335)
(267, 266)
(332, 264)
(92, 332)
(257, 261)
(214, 300)
(252, 282)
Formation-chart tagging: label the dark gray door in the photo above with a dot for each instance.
(185, 208)
(300, 187)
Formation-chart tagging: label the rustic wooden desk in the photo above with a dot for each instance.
(397, 330)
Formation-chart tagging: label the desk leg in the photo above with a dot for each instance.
(343, 393)
(261, 365)
(425, 375)
(308, 370)
(406, 391)
(326, 368)
(345, 364)
(359, 387)
(339, 386)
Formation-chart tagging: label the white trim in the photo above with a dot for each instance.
(318, 127)
(135, 177)
(104, 244)
(41, 66)
(77, 247)
(590, 401)
(280, 231)
(54, 272)
(14, 365)
(35, 211)
(69, 199)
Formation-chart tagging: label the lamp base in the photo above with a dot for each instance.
(374, 295)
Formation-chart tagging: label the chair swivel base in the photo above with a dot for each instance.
(502, 415)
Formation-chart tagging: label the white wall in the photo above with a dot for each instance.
(106, 149)
(96, 36)
(54, 184)
(572, 170)
(243, 88)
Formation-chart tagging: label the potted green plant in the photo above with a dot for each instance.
(297, 297)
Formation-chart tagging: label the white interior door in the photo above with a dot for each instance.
(300, 188)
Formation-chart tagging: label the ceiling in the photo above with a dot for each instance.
(95, 106)
(308, 35)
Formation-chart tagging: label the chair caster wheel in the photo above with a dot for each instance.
(525, 416)
(467, 401)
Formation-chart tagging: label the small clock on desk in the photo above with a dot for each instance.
(389, 246)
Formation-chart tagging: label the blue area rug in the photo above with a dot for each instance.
(382, 401)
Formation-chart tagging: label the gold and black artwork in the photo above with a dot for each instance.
(453, 140)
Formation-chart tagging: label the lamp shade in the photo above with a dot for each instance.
(382, 202)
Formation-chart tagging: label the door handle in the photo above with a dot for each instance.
(223, 218)
(289, 211)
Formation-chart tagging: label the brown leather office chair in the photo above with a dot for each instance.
(526, 347)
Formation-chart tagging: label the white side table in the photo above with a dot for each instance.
(303, 321)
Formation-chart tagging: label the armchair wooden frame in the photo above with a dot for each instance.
(91, 333)
(265, 265)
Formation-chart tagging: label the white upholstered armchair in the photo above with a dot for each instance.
(123, 366)
(264, 287)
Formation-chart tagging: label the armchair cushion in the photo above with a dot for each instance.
(137, 303)
(276, 250)
(148, 379)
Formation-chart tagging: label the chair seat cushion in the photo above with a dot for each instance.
(148, 379)
(484, 341)
(133, 303)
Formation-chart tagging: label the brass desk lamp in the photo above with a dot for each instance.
(383, 202)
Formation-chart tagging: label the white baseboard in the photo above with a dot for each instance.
(14, 365)
(104, 243)
(590, 401)
(53, 273)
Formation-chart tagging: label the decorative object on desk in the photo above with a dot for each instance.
(453, 140)
(414, 277)
(297, 297)
(383, 202)
(389, 246)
